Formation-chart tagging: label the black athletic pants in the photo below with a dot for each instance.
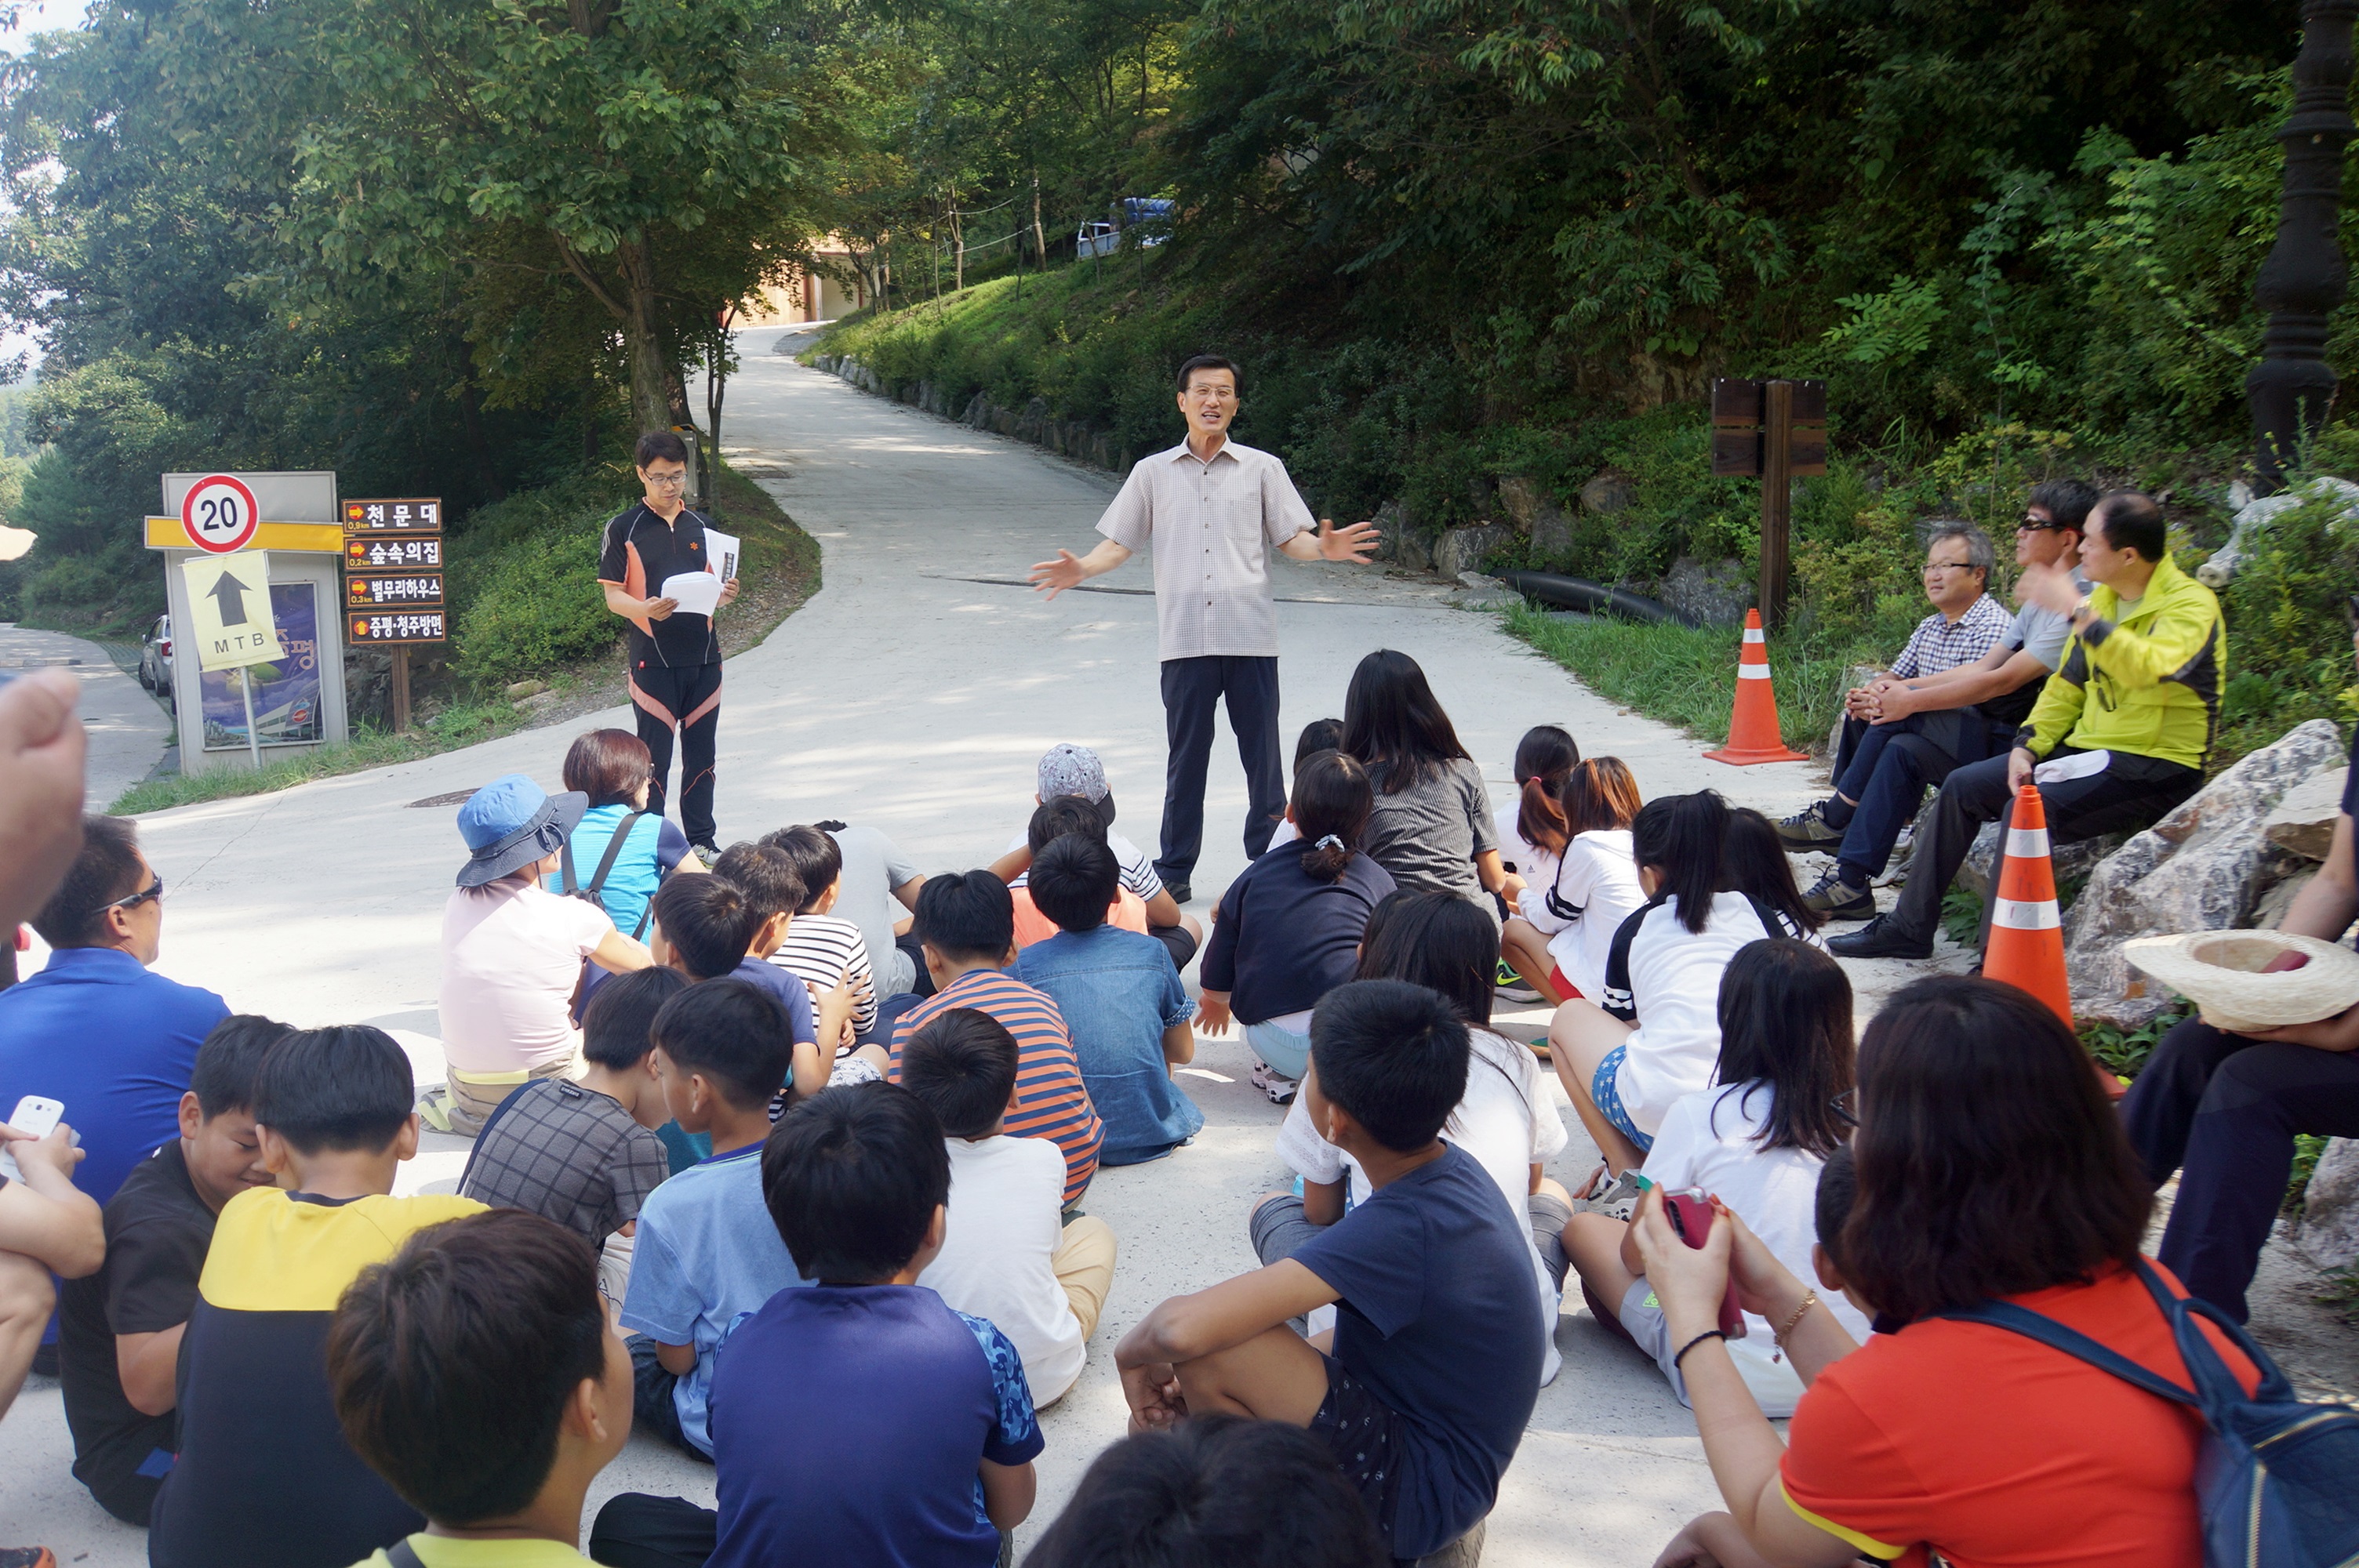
(2132, 791)
(1193, 689)
(2222, 1111)
(686, 697)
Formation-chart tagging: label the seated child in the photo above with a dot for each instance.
(1758, 867)
(1288, 929)
(1756, 1140)
(1319, 735)
(1544, 757)
(1071, 770)
(822, 948)
(701, 1255)
(1004, 1256)
(1437, 1358)
(263, 1473)
(1054, 818)
(967, 923)
(1584, 888)
(119, 1330)
(584, 1154)
(476, 1373)
(766, 876)
(1122, 1001)
(1213, 1489)
(861, 1420)
(1505, 1119)
(702, 921)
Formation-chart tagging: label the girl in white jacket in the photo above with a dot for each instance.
(1582, 890)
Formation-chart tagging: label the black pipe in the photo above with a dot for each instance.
(1580, 593)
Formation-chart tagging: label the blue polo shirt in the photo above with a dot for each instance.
(115, 1042)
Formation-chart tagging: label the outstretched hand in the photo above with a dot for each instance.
(1053, 577)
(1356, 542)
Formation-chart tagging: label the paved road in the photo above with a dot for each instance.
(915, 693)
(128, 729)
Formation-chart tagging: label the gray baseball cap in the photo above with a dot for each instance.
(1069, 769)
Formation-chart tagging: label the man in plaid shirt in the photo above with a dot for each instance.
(1965, 626)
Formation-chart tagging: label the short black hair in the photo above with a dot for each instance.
(1214, 1490)
(617, 1028)
(851, 1177)
(1062, 814)
(966, 914)
(1073, 881)
(451, 1363)
(106, 870)
(229, 1061)
(1394, 1055)
(817, 857)
(707, 920)
(1195, 362)
(766, 875)
(2132, 521)
(1319, 735)
(733, 1033)
(963, 1065)
(344, 1088)
(2066, 501)
(1440, 941)
(1838, 1187)
(657, 444)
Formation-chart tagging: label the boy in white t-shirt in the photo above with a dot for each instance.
(1006, 1254)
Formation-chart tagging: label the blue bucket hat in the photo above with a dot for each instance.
(512, 822)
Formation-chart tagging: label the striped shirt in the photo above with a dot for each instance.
(1940, 644)
(818, 951)
(1051, 1101)
(1211, 526)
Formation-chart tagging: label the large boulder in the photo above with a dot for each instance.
(2201, 868)
(1608, 493)
(2254, 515)
(1552, 538)
(2303, 822)
(1521, 500)
(1465, 549)
(2328, 1232)
(1714, 594)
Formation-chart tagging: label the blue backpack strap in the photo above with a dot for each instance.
(2215, 1384)
(2071, 1342)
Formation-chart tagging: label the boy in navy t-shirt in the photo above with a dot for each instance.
(1437, 1357)
(865, 1375)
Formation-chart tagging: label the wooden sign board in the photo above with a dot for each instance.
(388, 628)
(419, 514)
(363, 553)
(393, 591)
(1739, 417)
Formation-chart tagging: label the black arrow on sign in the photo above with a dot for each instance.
(231, 593)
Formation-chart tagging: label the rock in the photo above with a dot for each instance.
(2067, 861)
(2201, 868)
(2269, 909)
(2254, 515)
(1480, 592)
(1608, 493)
(1521, 500)
(1552, 538)
(538, 702)
(1392, 525)
(525, 689)
(2328, 1232)
(1465, 549)
(1715, 595)
(1415, 548)
(2303, 822)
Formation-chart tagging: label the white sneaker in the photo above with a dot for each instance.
(1273, 1083)
(1617, 1201)
(1895, 870)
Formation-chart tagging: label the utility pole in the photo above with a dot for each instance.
(2304, 278)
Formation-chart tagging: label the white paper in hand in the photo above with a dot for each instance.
(695, 592)
(2080, 765)
(722, 549)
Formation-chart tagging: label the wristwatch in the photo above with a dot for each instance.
(2080, 608)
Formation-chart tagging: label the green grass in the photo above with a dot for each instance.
(1687, 675)
(463, 725)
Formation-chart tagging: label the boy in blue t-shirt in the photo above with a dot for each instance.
(706, 1253)
(1437, 1357)
(1122, 1001)
(860, 1419)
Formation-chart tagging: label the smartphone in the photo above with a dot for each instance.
(1690, 1214)
(35, 1116)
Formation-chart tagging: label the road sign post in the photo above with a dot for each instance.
(1776, 431)
(393, 583)
(230, 621)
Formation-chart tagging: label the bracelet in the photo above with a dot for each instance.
(1699, 1339)
(1810, 1300)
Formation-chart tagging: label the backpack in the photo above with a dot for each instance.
(2274, 1480)
(594, 889)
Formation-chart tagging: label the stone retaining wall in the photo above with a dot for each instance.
(1033, 423)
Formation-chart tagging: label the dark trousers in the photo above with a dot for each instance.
(652, 1405)
(1191, 689)
(2222, 1110)
(635, 1530)
(1178, 940)
(1885, 770)
(2131, 792)
(686, 697)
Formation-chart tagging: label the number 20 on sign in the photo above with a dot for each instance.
(219, 514)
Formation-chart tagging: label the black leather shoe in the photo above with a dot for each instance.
(1879, 938)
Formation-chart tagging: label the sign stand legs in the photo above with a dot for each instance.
(246, 689)
(1777, 497)
(400, 689)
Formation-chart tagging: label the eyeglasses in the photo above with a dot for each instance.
(2033, 525)
(154, 889)
(668, 481)
(1846, 1107)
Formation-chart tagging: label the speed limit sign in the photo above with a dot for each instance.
(219, 513)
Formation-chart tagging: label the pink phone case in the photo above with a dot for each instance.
(1691, 1216)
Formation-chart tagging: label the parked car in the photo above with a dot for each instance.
(156, 660)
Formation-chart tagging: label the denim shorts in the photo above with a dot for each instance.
(1608, 1100)
(1283, 1049)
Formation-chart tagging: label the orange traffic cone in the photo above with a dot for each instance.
(1753, 733)
(2027, 935)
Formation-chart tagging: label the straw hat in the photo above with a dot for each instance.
(2219, 971)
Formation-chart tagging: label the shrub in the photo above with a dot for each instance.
(522, 577)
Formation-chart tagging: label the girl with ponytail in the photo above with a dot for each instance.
(1653, 1035)
(1288, 929)
(1532, 831)
(1566, 919)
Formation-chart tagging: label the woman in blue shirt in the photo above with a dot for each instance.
(612, 768)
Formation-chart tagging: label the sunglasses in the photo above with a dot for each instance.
(2039, 526)
(1846, 1107)
(154, 889)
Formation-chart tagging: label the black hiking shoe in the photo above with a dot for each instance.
(1808, 830)
(1838, 900)
(1880, 939)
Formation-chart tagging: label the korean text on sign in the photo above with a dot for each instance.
(371, 591)
(425, 626)
(421, 515)
(393, 553)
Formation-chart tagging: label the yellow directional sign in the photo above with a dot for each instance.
(229, 609)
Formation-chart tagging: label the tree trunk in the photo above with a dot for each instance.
(658, 396)
(471, 417)
(1039, 235)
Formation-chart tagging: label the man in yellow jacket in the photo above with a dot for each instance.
(2120, 732)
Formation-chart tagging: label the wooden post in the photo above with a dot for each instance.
(400, 687)
(1777, 497)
